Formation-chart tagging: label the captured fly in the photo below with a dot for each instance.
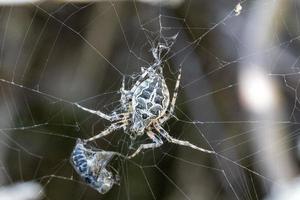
(91, 166)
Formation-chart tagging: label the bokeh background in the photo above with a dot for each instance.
(238, 96)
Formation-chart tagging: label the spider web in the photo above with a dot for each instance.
(54, 55)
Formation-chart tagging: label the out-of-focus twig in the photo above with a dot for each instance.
(21, 191)
(260, 93)
(11, 2)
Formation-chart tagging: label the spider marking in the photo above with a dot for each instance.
(91, 166)
(146, 107)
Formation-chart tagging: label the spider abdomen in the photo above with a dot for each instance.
(150, 101)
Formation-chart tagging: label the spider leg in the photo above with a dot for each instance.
(157, 142)
(173, 101)
(110, 129)
(112, 117)
(124, 95)
(123, 86)
(169, 138)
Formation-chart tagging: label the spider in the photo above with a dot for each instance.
(145, 107)
(91, 166)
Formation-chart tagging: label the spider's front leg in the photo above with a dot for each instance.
(110, 129)
(169, 138)
(157, 142)
(112, 117)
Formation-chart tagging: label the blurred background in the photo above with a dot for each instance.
(238, 96)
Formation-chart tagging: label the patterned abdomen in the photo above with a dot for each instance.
(150, 101)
